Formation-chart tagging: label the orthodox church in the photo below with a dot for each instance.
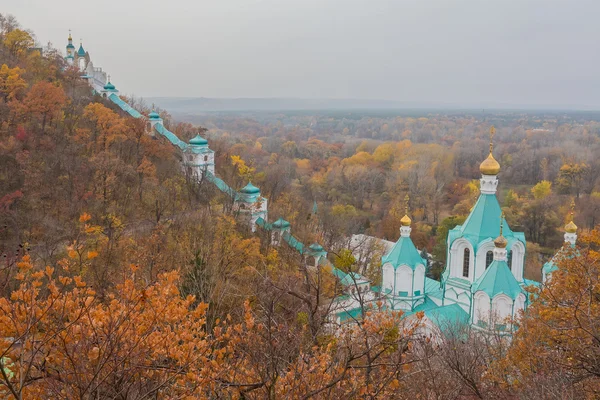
(482, 284)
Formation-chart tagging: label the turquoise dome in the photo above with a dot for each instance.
(316, 247)
(81, 51)
(250, 189)
(198, 141)
(153, 115)
(109, 86)
(281, 223)
(70, 46)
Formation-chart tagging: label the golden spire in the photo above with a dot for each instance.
(406, 221)
(70, 37)
(501, 242)
(571, 227)
(490, 166)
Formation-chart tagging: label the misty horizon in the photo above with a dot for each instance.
(466, 54)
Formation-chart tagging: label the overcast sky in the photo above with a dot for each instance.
(475, 52)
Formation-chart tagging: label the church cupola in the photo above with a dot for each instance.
(403, 270)
(571, 228)
(199, 156)
(70, 50)
(489, 169)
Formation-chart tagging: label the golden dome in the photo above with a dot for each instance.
(571, 227)
(500, 242)
(490, 166)
(406, 221)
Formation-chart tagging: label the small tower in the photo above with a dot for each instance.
(313, 255)
(154, 119)
(81, 57)
(251, 204)
(70, 50)
(199, 157)
(278, 229)
(571, 228)
(570, 241)
(489, 169)
(403, 270)
(109, 89)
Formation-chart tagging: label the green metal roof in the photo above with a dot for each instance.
(281, 223)
(250, 189)
(448, 317)
(70, 46)
(81, 51)
(498, 279)
(198, 141)
(350, 315)
(220, 184)
(124, 106)
(482, 223)
(403, 252)
(316, 247)
(109, 86)
(353, 278)
(293, 242)
(154, 115)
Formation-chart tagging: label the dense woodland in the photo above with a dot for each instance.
(122, 277)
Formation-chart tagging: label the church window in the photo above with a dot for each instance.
(205, 158)
(509, 259)
(466, 257)
(489, 257)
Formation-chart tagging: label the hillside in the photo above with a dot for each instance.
(140, 260)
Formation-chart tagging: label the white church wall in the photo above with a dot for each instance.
(518, 257)
(419, 281)
(481, 308)
(388, 277)
(457, 255)
(501, 308)
(403, 280)
(480, 260)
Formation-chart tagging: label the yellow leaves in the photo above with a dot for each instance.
(85, 217)
(11, 83)
(73, 254)
(78, 281)
(542, 190)
(92, 254)
(25, 264)
(243, 170)
(18, 42)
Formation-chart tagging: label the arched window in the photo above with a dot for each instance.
(205, 158)
(509, 259)
(466, 257)
(489, 257)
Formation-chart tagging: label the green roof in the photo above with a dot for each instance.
(354, 314)
(448, 317)
(316, 247)
(124, 106)
(353, 278)
(250, 189)
(70, 46)
(498, 279)
(109, 86)
(153, 115)
(81, 51)
(198, 141)
(483, 223)
(403, 252)
(293, 242)
(281, 223)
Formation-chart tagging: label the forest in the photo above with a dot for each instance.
(123, 277)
